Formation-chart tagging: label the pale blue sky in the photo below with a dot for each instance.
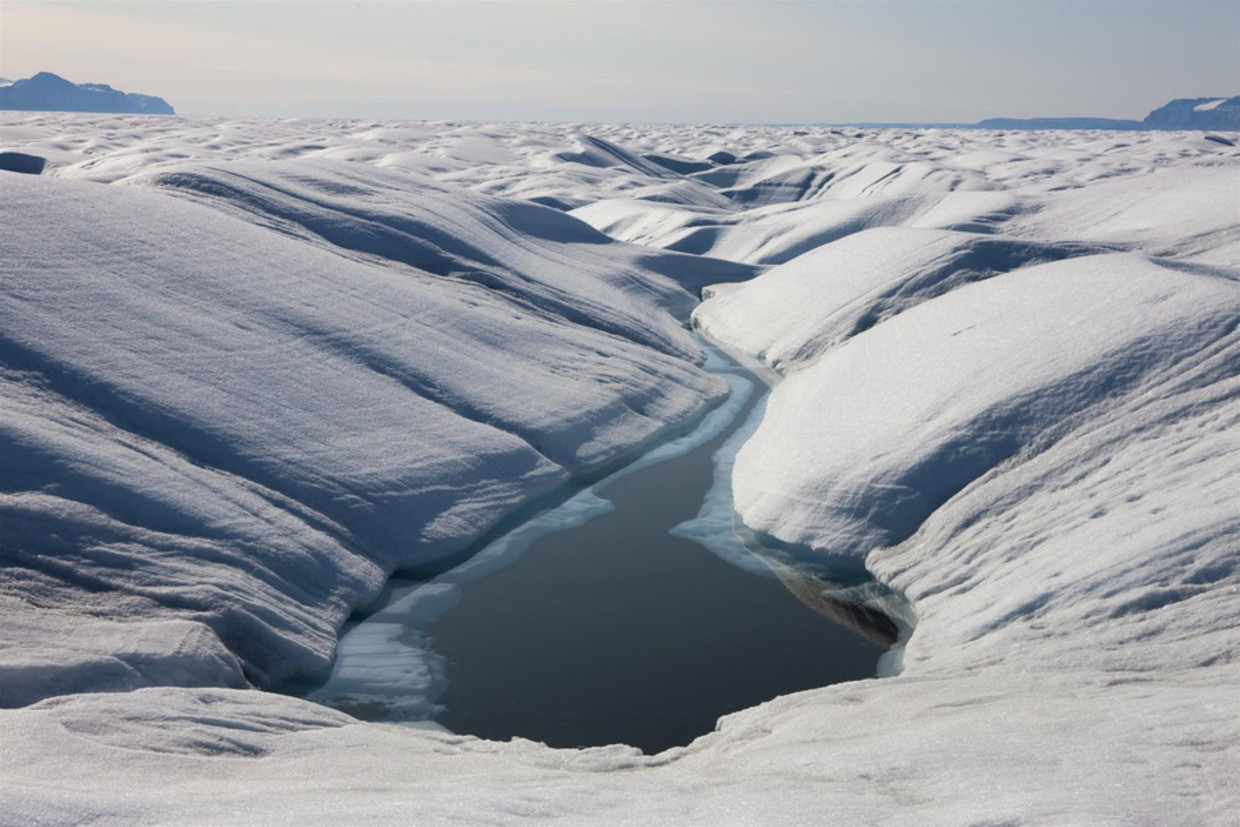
(665, 61)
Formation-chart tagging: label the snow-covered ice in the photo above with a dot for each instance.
(252, 367)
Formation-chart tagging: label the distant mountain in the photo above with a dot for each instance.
(1182, 113)
(51, 93)
(1059, 123)
(1196, 113)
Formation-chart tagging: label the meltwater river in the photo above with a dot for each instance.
(594, 624)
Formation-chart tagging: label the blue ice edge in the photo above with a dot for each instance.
(385, 669)
(838, 580)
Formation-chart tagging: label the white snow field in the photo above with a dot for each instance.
(251, 367)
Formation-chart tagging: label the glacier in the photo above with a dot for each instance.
(253, 367)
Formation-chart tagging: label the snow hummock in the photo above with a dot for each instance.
(820, 299)
(251, 367)
(953, 388)
(231, 425)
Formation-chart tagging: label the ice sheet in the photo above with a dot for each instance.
(218, 414)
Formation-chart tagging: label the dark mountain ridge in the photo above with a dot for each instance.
(47, 92)
(1182, 113)
(1221, 113)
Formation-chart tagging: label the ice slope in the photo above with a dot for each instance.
(217, 422)
(959, 385)
(820, 299)
(530, 253)
(1190, 215)
(1010, 388)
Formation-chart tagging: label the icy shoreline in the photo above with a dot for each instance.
(1011, 390)
(383, 659)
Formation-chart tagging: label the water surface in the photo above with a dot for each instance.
(617, 631)
(606, 627)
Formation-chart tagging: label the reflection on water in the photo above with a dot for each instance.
(837, 603)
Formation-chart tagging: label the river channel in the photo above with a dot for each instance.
(594, 623)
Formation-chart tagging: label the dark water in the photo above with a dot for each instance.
(618, 632)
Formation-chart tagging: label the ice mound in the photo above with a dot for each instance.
(949, 390)
(1185, 214)
(778, 233)
(769, 235)
(592, 151)
(447, 230)
(818, 300)
(97, 655)
(233, 426)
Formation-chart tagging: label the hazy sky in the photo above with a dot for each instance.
(669, 60)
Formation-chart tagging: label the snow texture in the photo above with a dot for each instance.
(251, 367)
(225, 421)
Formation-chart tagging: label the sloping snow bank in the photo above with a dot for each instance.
(1045, 464)
(778, 233)
(1188, 214)
(858, 448)
(207, 420)
(533, 254)
(818, 300)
